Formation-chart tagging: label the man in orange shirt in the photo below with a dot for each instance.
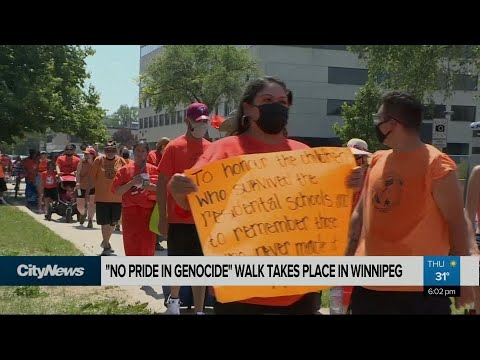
(30, 165)
(108, 205)
(67, 163)
(181, 154)
(411, 205)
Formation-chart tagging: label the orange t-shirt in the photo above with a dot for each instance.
(154, 157)
(179, 155)
(242, 145)
(400, 216)
(2, 172)
(42, 165)
(68, 164)
(136, 196)
(102, 173)
(49, 179)
(83, 176)
(30, 167)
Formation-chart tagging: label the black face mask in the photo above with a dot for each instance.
(381, 136)
(273, 118)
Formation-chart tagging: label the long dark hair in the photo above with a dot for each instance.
(252, 89)
(143, 143)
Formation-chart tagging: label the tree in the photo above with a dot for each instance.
(124, 137)
(421, 70)
(41, 87)
(357, 117)
(123, 117)
(183, 74)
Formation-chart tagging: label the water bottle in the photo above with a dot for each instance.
(336, 301)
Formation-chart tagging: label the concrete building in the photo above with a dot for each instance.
(321, 77)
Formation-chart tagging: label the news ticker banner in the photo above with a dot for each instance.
(295, 271)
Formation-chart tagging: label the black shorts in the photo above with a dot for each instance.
(3, 185)
(108, 213)
(367, 302)
(183, 240)
(309, 304)
(83, 191)
(50, 193)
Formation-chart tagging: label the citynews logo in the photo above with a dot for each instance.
(49, 270)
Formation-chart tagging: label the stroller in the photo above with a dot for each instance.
(66, 202)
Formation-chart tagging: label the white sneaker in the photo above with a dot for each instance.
(200, 313)
(173, 306)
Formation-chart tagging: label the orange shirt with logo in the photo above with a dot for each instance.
(242, 145)
(102, 172)
(179, 155)
(400, 216)
(49, 179)
(136, 196)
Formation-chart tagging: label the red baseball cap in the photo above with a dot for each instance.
(197, 112)
(90, 150)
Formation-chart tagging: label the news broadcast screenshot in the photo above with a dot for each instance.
(239, 180)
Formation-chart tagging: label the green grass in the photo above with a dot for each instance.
(26, 300)
(20, 235)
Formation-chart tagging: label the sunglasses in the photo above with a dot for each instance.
(377, 118)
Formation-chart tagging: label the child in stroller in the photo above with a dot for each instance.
(66, 202)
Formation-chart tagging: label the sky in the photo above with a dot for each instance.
(114, 70)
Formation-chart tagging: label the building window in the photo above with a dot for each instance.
(185, 114)
(461, 82)
(140, 124)
(434, 112)
(349, 76)
(161, 120)
(155, 121)
(179, 116)
(150, 121)
(167, 119)
(334, 106)
(457, 148)
(227, 108)
(463, 113)
(173, 118)
(475, 150)
(465, 82)
(75, 139)
(426, 132)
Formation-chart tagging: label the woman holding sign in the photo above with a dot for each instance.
(260, 127)
(135, 183)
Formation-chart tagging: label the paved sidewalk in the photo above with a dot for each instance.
(88, 242)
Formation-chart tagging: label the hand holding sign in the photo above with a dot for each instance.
(292, 203)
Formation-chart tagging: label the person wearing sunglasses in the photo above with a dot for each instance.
(108, 205)
(411, 205)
